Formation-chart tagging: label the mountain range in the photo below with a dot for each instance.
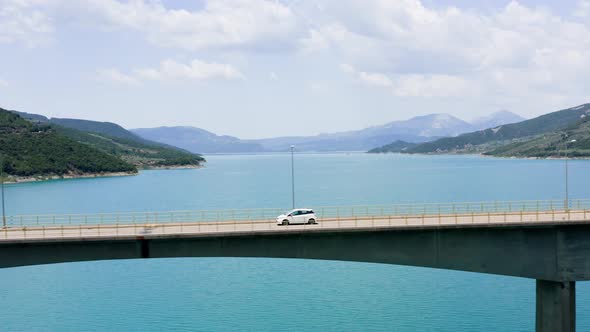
(496, 119)
(198, 140)
(415, 130)
(537, 137)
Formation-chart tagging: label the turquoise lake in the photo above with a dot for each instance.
(228, 294)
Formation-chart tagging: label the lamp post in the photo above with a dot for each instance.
(2, 191)
(567, 201)
(293, 175)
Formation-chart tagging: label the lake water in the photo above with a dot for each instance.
(225, 294)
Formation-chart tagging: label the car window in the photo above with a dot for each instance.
(310, 211)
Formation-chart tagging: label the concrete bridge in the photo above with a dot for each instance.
(539, 240)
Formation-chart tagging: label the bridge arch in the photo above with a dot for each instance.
(555, 254)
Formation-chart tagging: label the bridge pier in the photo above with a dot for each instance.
(556, 306)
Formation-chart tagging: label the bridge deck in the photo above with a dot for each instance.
(230, 228)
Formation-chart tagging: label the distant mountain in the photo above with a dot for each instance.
(197, 140)
(432, 125)
(417, 129)
(492, 138)
(496, 119)
(397, 146)
(117, 141)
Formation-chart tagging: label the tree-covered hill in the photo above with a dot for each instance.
(33, 149)
(397, 146)
(118, 141)
(142, 155)
(104, 128)
(551, 144)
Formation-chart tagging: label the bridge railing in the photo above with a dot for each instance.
(327, 212)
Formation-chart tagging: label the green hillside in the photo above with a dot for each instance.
(118, 141)
(105, 128)
(552, 144)
(477, 141)
(140, 154)
(397, 146)
(31, 149)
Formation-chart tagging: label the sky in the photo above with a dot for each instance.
(266, 68)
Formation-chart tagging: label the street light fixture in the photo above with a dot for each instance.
(2, 191)
(567, 201)
(293, 175)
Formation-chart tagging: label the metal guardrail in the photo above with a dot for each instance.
(228, 228)
(328, 212)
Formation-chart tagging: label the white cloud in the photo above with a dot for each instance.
(371, 79)
(113, 75)
(583, 9)
(318, 87)
(3, 83)
(24, 22)
(219, 24)
(430, 51)
(376, 79)
(413, 85)
(195, 70)
(313, 42)
(518, 53)
(228, 24)
(170, 70)
(432, 86)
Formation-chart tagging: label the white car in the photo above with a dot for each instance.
(297, 216)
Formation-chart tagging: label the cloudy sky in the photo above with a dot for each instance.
(256, 68)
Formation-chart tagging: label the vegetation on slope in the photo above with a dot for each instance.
(552, 144)
(104, 128)
(117, 141)
(39, 150)
(470, 142)
(142, 155)
(397, 146)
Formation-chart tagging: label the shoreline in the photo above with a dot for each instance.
(40, 178)
(534, 158)
(484, 156)
(149, 168)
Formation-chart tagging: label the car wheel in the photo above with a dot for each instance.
(311, 221)
(285, 222)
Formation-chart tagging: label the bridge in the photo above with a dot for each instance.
(544, 240)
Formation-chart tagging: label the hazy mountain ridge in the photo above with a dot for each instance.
(496, 119)
(197, 140)
(418, 129)
(426, 128)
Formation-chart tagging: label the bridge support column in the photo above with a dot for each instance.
(556, 306)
